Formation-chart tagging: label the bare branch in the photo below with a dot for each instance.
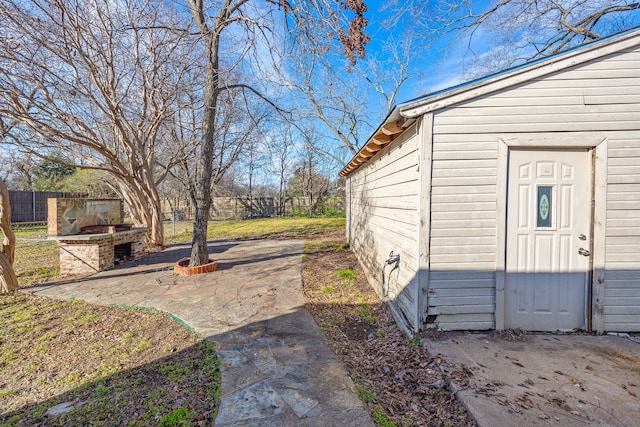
(532, 28)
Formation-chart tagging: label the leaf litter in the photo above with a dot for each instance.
(399, 381)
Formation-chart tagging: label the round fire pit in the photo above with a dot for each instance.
(182, 267)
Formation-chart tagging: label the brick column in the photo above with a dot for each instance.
(54, 215)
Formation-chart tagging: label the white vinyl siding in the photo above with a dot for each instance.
(383, 200)
(602, 96)
(463, 231)
(621, 306)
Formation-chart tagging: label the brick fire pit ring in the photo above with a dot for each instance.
(182, 267)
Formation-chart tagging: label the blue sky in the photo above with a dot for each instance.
(441, 65)
(438, 66)
(445, 61)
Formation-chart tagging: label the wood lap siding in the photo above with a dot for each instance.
(383, 211)
(602, 96)
(619, 99)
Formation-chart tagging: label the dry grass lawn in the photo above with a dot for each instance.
(122, 366)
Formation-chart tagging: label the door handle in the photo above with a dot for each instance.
(584, 252)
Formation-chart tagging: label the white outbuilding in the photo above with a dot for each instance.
(513, 201)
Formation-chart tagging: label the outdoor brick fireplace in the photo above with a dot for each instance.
(91, 236)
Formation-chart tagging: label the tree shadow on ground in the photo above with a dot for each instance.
(183, 386)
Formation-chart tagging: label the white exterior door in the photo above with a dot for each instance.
(548, 239)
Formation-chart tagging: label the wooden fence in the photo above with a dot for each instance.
(244, 207)
(31, 206)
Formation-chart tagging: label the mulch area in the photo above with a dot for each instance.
(400, 382)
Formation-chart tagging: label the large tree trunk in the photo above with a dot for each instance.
(145, 211)
(199, 252)
(211, 39)
(8, 278)
(157, 224)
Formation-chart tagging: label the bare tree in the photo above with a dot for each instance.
(19, 170)
(280, 148)
(307, 181)
(236, 125)
(96, 79)
(519, 30)
(8, 279)
(254, 159)
(252, 26)
(327, 96)
(350, 104)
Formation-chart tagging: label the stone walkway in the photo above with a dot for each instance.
(276, 367)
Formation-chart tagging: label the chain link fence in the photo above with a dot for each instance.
(177, 231)
(36, 257)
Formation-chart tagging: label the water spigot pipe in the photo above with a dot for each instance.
(392, 260)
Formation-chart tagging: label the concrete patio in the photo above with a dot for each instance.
(544, 379)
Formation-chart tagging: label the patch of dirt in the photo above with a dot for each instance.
(358, 329)
(625, 360)
(399, 381)
(126, 366)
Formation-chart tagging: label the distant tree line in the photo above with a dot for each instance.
(275, 174)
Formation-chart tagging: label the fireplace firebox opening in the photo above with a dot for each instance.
(122, 252)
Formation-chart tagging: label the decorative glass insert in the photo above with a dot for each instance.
(544, 206)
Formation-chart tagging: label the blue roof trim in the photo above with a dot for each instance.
(515, 68)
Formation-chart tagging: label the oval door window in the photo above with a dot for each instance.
(544, 206)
